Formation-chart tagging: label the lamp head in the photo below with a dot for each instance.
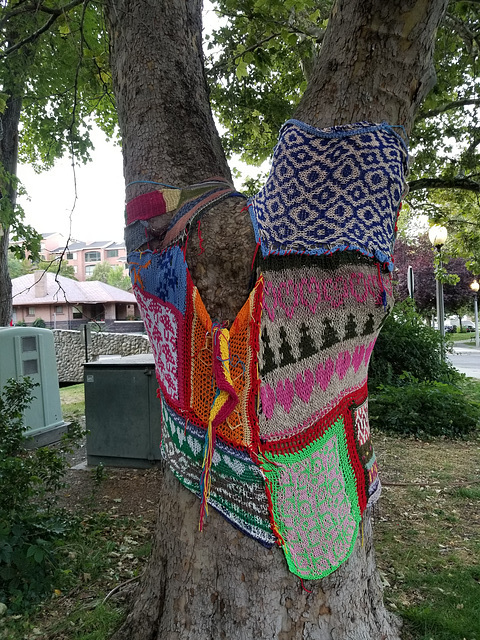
(438, 235)
(475, 286)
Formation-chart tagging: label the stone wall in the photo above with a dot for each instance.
(70, 350)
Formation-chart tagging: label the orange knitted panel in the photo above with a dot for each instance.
(202, 388)
(239, 428)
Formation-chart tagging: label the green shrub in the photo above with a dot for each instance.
(406, 344)
(30, 525)
(423, 409)
(39, 323)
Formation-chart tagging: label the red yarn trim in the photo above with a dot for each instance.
(255, 327)
(354, 457)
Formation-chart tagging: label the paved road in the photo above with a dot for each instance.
(466, 360)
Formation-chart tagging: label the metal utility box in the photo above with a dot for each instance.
(27, 351)
(122, 412)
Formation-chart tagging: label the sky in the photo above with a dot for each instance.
(98, 211)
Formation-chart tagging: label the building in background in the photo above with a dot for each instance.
(64, 303)
(83, 256)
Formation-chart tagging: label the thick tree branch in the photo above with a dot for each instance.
(447, 106)
(467, 184)
(472, 146)
(55, 14)
(453, 221)
(35, 7)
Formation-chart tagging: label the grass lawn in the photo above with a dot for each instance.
(73, 401)
(468, 338)
(427, 536)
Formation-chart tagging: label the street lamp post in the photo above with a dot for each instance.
(438, 237)
(475, 287)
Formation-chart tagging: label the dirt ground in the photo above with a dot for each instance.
(126, 491)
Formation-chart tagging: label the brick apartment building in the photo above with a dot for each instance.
(83, 256)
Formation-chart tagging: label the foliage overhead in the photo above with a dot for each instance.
(60, 52)
(258, 63)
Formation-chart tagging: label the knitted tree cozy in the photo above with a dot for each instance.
(267, 421)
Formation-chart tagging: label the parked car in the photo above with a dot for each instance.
(450, 328)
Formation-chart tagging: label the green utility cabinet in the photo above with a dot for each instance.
(122, 412)
(28, 351)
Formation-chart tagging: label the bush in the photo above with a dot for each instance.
(30, 525)
(406, 344)
(423, 409)
(39, 323)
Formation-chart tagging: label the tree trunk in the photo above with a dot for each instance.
(8, 160)
(375, 64)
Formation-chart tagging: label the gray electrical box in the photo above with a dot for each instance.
(27, 351)
(122, 412)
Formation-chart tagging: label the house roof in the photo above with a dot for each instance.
(98, 244)
(61, 289)
(75, 245)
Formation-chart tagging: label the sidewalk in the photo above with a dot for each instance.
(466, 359)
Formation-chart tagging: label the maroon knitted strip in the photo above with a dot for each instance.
(146, 206)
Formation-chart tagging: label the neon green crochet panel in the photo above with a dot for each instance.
(314, 502)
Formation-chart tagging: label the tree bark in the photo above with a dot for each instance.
(375, 64)
(221, 584)
(8, 160)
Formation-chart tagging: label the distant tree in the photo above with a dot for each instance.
(101, 272)
(117, 278)
(112, 275)
(420, 256)
(65, 269)
(16, 267)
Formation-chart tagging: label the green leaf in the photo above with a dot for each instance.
(64, 29)
(39, 555)
(3, 101)
(241, 70)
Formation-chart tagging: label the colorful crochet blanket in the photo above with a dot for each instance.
(267, 421)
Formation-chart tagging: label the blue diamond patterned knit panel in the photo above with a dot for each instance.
(332, 189)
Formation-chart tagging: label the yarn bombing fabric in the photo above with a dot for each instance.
(332, 189)
(267, 420)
